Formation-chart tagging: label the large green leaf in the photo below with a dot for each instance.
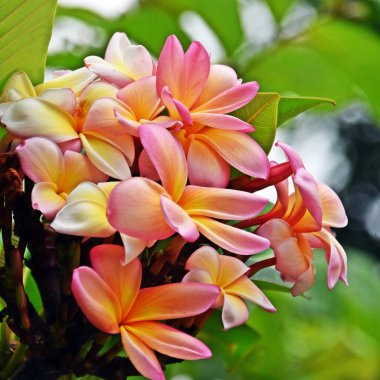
(290, 107)
(261, 112)
(25, 30)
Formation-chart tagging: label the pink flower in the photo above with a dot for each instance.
(201, 95)
(109, 295)
(205, 265)
(123, 63)
(141, 208)
(300, 222)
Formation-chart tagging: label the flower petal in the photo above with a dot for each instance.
(275, 230)
(235, 311)
(142, 357)
(231, 269)
(146, 167)
(198, 275)
(239, 150)
(304, 282)
(123, 280)
(132, 247)
(115, 49)
(172, 301)
(206, 167)
(46, 199)
(134, 209)
(176, 109)
(169, 341)
(96, 300)
(205, 258)
(178, 219)
(105, 157)
(37, 117)
(333, 213)
(170, 162)
(230, 238)
(19, 82)
(62, 97)
(224, 122)
(221, 203)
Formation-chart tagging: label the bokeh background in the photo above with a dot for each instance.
(326, 48)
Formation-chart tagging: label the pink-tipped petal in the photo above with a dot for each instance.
(116, 47)
(230, 238)
(96, 300)
(123, 280)
(205, 258)
(178, 219)
(176, 109)
(245, 288)
(206, 167)
(221, 203)
(169, 341)
(46, 199)
(126, 119)
(141, 355)
(137, 62)
(293, 157)
(41, 160)
(170, 162)
(231, 269)
(198, 275)
(235, 311)
(146, 167)
(239, 150)
(275, 230)
(225, 122)
(105, 157)
(172, 301)
(304, 282)
(134, 209)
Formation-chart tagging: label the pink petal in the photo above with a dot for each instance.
(230, 238)
(245, 288)
(239, 150)
(218, 121)
(276, 231)
(169, 341)
(304, 282)
(62, 97)
(198, 275)
(138, 62)
(124, 281)
(206, 167)
(142, 357)
(231, 99)
(221, 203)
(205, 258)
(96, 300)
(41, 160)
(146, 167)
(126, 120)
(134, 209)
(105, 157)
(294, 158)
(235, 311)
(46, 199)
(176, 108)
(178, 220)
(170, 162)
(37, 117)
(172, 301)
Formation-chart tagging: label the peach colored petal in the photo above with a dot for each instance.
(146, 167)
(134, 209)
(231, 269)
(138, 62)
(62, 97)
(105, 157)
(235, 311)
(142, 356)
(123, 280)
(230, 238)
(96, 300)
(221, 203)
(41, 160)
(178, 220)
(223, 122)
(37, 117)
(172, 301)
(245, 288)
(304, 282)
(169, 341)
(198, 275)
(46, 199)
(133, 247)
(170, 162)
(276, 231)
(239, 150)
(206, 167)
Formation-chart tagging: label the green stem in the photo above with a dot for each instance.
(13, 363)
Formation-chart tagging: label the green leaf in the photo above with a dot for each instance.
(31, 290)
(279, 8)
(290, 107)
(25, 30)
(261, 112)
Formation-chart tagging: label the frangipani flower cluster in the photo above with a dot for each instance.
(138, 153)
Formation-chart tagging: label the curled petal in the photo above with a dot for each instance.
(18, 84)
(230, 238)
(276, 231)
(133, 247)
(97, 301)
(235, 311)
(293, 157)
(333, 213)
(62, 97)
(46, 199)
(218, 121)
(88, 191)
(176, 108)
(198, 275)
(169, 341)
(304, 282)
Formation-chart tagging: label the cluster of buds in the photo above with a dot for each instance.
(139, 153)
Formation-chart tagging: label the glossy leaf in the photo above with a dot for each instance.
(25, 30)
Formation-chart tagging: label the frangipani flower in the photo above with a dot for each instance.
(144, 209)
(109, 295)
(306, 218)
(123, 63)
(75, 123)
(201, 95)
(229, 273)
(55, 174)
(84, 214)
